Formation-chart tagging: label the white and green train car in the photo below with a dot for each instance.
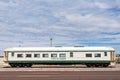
(89, 56)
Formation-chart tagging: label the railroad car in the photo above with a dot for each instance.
(89, 56)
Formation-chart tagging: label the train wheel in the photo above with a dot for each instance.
(88, 65)
(23, 65)
(97, 65)
(92, 65)
(105, 65)
(13, 65)
(100, 65)
(20, 65)
(28, 65)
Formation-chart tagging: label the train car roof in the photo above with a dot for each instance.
(60, 49)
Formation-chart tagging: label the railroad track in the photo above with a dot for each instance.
(57, 66)
(60, 68)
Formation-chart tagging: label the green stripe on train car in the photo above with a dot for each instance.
(60, 61)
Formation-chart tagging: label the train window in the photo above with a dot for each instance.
(88, 55)
(37, 55)
(71, 54)
(28, 55)
(12, 54)
(105, 53)
(53, 55)
(62, 55)
(19, 55)
(97, 55)
(45, 55)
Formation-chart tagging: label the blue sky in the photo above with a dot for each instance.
(68, 22)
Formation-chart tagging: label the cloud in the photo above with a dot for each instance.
(7, 3)
(102, 5)
(90, 24)
(68, 22)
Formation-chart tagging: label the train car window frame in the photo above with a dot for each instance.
(88, 55)
(45, 55)
(71, 54)
(62, 55)
(36, 55)
(53, 55)
(97, 55)
(28, 55)
(12, 54)
(19, 55)
(105, 53)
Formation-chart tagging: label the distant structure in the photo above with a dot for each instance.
(20, 42)
(117, 55)
(1, 56)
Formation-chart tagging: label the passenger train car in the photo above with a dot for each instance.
(89, 56)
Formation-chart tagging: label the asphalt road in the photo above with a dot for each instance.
(60, 75)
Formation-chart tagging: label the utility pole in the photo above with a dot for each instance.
(51, 42)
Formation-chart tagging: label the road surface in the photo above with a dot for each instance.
(59, 75)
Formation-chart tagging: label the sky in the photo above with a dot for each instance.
(31, 23)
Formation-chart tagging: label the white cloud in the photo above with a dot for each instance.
(102, 5)
(91, 21)
(89, 27)
(5, 4)
(69, 22)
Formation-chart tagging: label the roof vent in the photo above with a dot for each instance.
(58, 46)
(78, 46)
